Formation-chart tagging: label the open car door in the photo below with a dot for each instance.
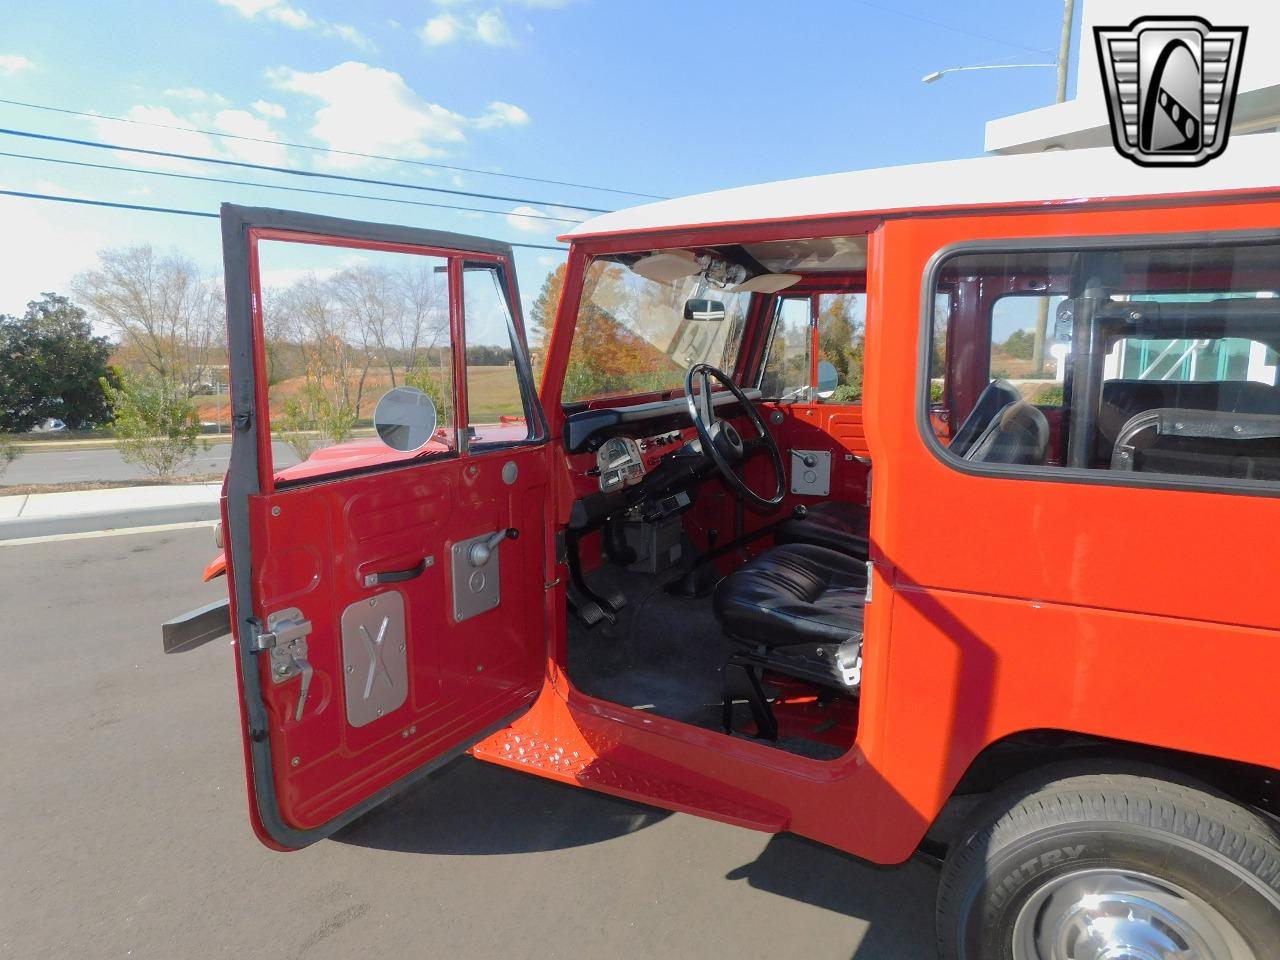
(387, 598)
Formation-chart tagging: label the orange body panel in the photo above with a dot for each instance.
(1000, 605)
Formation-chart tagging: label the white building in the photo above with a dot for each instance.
(1083, 122)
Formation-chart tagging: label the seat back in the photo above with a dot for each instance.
(1018, 434)
(997, 395)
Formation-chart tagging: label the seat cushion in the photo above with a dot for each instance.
(794, 594)
(837, 526)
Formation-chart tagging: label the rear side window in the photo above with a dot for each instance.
(1154, 363)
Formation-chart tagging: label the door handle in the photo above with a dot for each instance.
(480, 552)
(398, 576)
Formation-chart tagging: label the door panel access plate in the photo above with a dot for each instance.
(374, 664)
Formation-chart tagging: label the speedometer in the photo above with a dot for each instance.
(619, 463)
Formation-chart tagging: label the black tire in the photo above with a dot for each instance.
(1032, 842)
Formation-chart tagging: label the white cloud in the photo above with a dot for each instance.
(11, 63)
(368, 109)
(244, 124)
(500, 114)
(268, 109)
(196, 95)
(441, 29)
(492, 29)
(533, 4)
(350, 34)
(185, 138)
(295, 18)
(488, 27)
(529, 219)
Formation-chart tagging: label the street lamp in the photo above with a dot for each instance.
(939, 74)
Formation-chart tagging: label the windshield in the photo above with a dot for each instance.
(632, 337)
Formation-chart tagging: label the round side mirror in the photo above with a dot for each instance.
(828, 379)
(405, 419)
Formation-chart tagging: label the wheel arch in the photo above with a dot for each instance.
(1015, 755)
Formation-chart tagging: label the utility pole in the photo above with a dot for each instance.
(1064, 63)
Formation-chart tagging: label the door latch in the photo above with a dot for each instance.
(286, 640)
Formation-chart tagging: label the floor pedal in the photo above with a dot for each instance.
(591, 614)
(615, 601)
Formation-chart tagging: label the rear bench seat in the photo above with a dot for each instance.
(1123, 399)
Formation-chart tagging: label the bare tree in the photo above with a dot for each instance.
(162, 309)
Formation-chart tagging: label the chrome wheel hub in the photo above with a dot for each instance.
(1118, 915)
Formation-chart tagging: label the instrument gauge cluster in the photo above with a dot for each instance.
(620, 464)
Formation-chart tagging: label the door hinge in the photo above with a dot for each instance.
(871, 572)
(241, 422)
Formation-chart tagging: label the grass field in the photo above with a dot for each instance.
(492, 392)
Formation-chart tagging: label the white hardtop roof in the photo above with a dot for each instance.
(1051, 178)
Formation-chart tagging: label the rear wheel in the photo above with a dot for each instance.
(1112, 866)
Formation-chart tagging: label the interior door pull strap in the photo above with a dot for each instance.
(398, 576)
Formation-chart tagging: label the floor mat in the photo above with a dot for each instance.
(665, 654)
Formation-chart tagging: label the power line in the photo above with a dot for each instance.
(894, 11)
(272, 186)
(184, 213)
(333, 150)
(292, 171)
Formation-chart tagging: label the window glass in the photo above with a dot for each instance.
(341, 327)
(786, 367)
(1022, 347)
(632, 336)
(1163, 361)
(495, 404)
(841, 325)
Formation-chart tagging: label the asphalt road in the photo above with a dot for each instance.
(80, 466)
(124, 833)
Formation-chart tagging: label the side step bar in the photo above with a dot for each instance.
(197, 627)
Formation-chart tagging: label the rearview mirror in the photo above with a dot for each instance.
(828, 379)
(703, 310)
(405, 419)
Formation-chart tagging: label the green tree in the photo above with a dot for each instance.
(51, 365)
(1020, 345)
(156, 422)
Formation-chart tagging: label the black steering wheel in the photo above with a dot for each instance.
(722, 442)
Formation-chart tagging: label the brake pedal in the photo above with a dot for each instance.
(614, 600)
(591, 614)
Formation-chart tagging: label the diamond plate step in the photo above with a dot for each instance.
(571, 760)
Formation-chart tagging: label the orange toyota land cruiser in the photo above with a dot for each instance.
(1043, 646)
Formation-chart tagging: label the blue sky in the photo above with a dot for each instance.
(666, 97)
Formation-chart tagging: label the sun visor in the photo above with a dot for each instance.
(766, 283)
(668, 266)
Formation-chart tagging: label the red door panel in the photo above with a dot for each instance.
(372, 641)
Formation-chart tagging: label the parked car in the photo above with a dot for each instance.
(1050, 619)
(49, 425)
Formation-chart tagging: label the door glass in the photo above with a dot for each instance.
(786, 368)
(342, 327)
(495, 406)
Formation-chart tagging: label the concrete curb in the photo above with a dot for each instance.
(50, 514)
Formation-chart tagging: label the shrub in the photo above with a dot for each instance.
(9, 452)
(156, 423)
(312, 417)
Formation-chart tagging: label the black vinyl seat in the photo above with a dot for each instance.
(795, 610)
(837, 526)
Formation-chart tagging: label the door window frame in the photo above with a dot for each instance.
(324, 231)
(1059, 244)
